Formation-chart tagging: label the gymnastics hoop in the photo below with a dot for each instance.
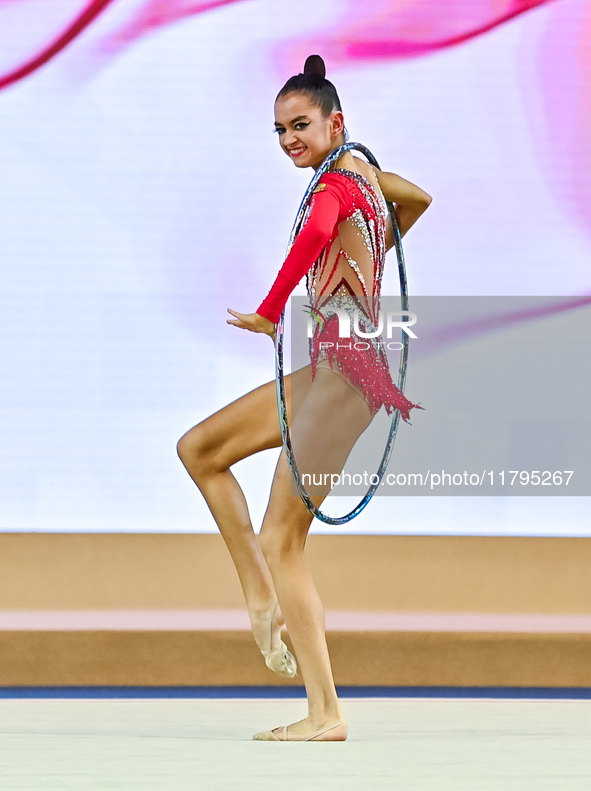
(279, 370)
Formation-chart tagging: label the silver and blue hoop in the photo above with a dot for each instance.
(279, 369)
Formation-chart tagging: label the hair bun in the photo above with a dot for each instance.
(315, 65)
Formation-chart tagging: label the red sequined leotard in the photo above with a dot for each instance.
(341, 248)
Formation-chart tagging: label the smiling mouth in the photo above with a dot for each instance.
(296, 152)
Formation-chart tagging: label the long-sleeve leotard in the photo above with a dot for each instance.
(342, 248)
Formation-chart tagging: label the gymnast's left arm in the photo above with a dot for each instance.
(409, 200)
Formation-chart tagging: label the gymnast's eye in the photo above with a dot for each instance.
(279, 130)
(302, 125)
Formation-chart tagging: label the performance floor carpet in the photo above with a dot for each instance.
(203, 744)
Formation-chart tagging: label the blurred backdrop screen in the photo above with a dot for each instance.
(143, 192)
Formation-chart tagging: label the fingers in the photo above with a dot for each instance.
(238, 321)
(252, 322)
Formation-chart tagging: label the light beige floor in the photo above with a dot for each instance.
(204, 745)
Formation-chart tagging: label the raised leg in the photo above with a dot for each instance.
(208, 450)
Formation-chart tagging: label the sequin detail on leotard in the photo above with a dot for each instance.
(347, 275)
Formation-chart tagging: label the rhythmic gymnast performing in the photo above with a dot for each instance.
(341, 247)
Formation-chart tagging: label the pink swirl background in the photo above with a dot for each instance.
(143, 193)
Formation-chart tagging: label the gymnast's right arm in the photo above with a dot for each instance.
(329, 203)
(305, 250)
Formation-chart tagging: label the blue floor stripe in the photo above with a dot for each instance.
(534, 693)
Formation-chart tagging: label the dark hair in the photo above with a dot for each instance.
(314, 84)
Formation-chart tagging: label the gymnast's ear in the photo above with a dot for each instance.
(337, 123)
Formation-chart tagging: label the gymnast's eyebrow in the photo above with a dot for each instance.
(294, 121)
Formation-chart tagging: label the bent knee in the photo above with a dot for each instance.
(198, 450)
(186, 446)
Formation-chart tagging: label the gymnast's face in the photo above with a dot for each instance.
(306, 136)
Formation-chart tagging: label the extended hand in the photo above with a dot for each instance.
(252, 322)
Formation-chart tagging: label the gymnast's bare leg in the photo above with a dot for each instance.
(246, 426)
(324, 429)
(274, 567)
